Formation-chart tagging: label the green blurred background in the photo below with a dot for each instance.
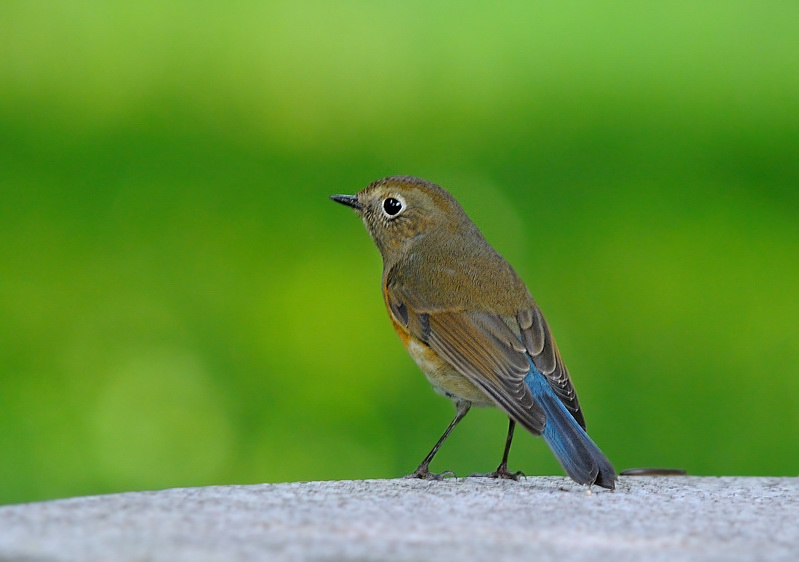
(181, 304)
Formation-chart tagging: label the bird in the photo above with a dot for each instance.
(471, 324)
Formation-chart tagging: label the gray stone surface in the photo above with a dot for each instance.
(538, 518)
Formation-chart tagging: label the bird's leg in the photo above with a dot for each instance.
(502, 470)
(422, 470)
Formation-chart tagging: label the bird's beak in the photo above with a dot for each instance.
(348, 200)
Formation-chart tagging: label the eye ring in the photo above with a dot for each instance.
(392, 206)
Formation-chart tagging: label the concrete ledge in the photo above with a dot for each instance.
(538, 518)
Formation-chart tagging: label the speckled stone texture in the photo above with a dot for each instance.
(538, 518)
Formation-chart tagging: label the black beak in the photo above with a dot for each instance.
(348, 200)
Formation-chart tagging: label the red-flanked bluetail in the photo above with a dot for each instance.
(471, 324)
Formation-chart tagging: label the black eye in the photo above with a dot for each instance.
(392, 206)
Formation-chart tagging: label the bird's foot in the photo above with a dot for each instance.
(423, 473)
(502, 473)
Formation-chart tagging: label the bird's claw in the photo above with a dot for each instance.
(422, 473)
(501, 473)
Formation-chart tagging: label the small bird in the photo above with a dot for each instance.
(471, 324)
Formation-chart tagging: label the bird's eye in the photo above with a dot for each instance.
(392, 206)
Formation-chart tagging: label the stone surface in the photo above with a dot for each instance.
(538, 518)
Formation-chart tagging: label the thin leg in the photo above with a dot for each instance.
(502, 470)
(422, 471)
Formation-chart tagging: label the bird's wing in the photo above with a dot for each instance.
(482, 347)
(541, 346)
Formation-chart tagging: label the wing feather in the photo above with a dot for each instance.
(539, 341)
(490, 351)
(481, 348)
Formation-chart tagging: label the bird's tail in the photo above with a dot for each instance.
(579, 456)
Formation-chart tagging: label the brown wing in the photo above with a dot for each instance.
(483, 349)
(538, 340)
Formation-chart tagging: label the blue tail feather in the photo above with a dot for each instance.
(577, 453)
